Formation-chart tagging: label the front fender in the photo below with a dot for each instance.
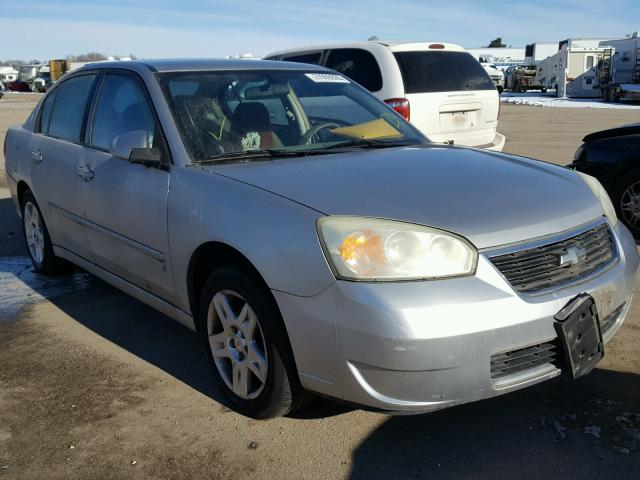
(277, 235)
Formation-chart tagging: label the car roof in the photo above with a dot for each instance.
(199, 64)
(393, 46)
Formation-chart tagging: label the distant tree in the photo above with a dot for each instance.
(87, 57)
(497, 43)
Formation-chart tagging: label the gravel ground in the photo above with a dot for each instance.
(95, 384)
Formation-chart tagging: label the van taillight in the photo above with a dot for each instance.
(400, 105)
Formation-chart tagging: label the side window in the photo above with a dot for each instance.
(68, 108)
(359, 65)
(45, 115)
(313, 58)
(122, 107)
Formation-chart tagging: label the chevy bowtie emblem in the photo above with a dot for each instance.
(572, 256)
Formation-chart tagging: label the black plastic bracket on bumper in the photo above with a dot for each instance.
(578, 329)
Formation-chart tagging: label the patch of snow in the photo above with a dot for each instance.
(537, 99)
(21, 285)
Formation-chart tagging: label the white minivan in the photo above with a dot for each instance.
(440, 88)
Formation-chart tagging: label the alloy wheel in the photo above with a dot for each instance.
(237, 344)
(630, 205)
(34, 231)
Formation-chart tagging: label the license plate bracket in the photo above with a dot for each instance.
(578, 328)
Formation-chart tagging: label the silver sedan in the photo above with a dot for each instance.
(314, 239)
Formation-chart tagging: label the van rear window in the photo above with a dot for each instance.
(424, 72)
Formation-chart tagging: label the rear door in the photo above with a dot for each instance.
(57, 151)
(451, 96)
(589, 75)
(126, 204)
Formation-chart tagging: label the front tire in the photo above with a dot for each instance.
(247, 345)
(626, 199)
(37, 238)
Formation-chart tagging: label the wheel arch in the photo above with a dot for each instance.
(21, 189)
(215, 254)
(205, 259)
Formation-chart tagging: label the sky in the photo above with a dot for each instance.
(41, 29)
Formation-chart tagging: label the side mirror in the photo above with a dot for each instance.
(133, 146)
(123, 144)
(149, 157)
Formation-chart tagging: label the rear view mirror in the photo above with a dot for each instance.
(271, 91)
(123, 144)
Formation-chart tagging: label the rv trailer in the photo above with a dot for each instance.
(572, 71)
(618, 72)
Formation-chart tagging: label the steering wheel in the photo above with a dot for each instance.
(313, 131)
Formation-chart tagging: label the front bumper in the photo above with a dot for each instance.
(422, 346)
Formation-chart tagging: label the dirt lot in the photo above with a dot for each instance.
(95, 384)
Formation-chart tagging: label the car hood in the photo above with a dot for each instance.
(490, 198)
(632, 129)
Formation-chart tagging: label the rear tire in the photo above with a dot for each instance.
(247, 345)
(37, 238)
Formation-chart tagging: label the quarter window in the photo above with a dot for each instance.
(45, 116)
(122, 107)
(69, 105)
(357, 64)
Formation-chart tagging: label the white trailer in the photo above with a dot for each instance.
(539, 51)
(618, 73)
(572, 71)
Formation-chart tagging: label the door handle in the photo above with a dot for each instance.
(36, 156)
(85, 172)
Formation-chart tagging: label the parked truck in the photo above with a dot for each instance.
(522, 78)
(618, 71)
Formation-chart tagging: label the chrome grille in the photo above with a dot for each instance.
(537, 269)
(508, 363)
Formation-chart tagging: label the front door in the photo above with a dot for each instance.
(56, 152)
(126, 204)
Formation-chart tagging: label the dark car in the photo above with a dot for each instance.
(613, 157)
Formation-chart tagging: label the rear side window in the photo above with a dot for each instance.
(69, 107)
(424, 72)
(122, 107)
(357, 64)
(45, 116)
(313, 58)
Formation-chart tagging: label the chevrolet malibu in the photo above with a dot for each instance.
(314, 239)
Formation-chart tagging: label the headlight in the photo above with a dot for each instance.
(602, 195)
(372, 249)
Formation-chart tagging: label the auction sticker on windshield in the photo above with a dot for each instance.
(327, 78)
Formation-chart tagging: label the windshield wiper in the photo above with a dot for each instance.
(249, 155)
(368, 143)
(263, 154)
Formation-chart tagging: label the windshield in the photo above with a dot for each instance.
(230, 113)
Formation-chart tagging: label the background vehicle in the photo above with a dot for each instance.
(26, 76)
(613, 157)
(496, 74)
(618, 71)
(421, 81)
(522, 78)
